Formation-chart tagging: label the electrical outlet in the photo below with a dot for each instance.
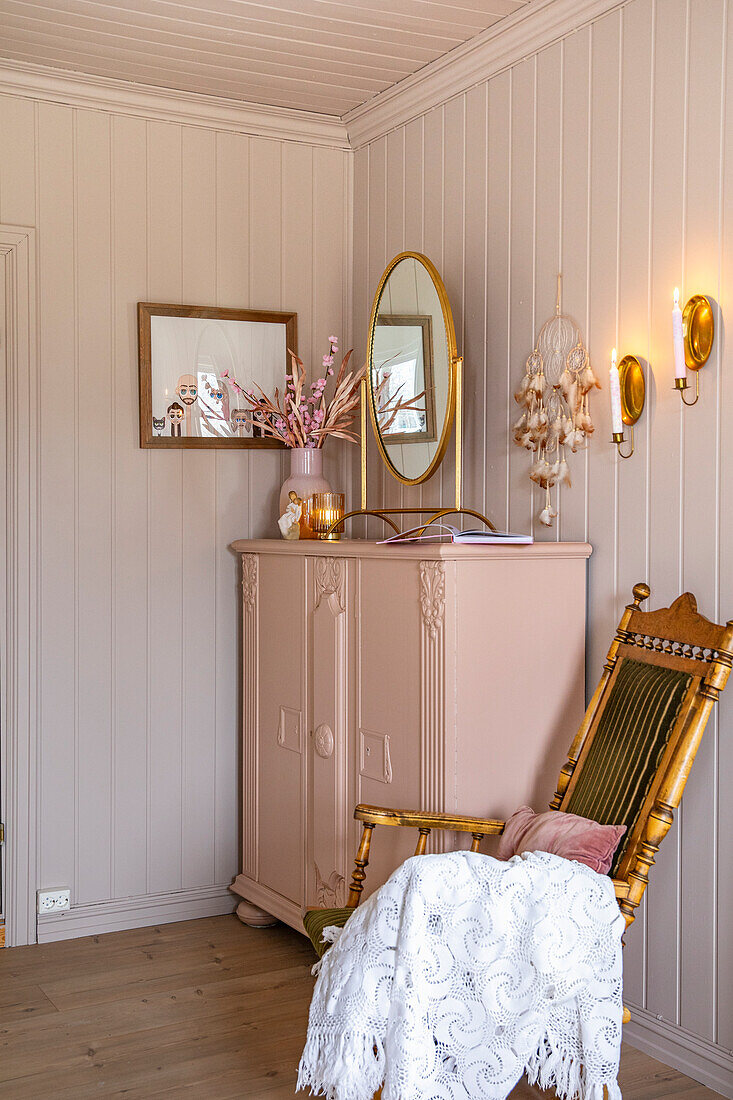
(52, 901)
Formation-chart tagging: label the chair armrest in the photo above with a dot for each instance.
(418, 819)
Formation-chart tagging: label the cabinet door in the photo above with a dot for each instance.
(281, 694)
(389, 716)
(330, 810)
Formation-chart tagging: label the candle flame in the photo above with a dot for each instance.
(613, 358)
(676, 297)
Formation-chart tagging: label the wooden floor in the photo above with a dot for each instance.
(205, 1008)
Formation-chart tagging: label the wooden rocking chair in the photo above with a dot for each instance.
(630, 759)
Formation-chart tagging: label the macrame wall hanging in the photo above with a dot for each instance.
(555, 398)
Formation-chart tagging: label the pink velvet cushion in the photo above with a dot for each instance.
(562, 834)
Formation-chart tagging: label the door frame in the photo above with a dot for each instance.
(19, 602)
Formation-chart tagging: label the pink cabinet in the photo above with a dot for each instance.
(440, 677)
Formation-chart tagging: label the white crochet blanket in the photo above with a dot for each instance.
(462, 973)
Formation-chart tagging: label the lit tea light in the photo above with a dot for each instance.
(324, 510)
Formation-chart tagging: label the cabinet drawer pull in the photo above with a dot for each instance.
(323, 741)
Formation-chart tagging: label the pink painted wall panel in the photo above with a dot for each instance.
(609, 157)
(139, 599)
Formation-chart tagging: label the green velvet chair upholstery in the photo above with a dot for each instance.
(315, 920)
(633, 732)
(630, 759)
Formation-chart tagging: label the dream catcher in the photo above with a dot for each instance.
(554, 396)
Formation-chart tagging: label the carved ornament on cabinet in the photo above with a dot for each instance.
(330, 892)
(432, 595)
(331, 583)
(249, 578)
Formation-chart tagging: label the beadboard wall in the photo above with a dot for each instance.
(137, 640)
(607, 156)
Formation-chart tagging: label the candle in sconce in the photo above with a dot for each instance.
(617, 423)
(680, 368)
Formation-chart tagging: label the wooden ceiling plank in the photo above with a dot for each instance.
(404, 14)
(476, 9)
(342, 77)
(275, 43)
(328, 56)
(228, 77)
(227, 48)
(152, 79)
(227, 14)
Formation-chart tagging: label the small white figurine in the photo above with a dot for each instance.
(289, 522)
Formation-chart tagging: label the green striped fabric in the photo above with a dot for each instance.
(315, 920)
(627, 748)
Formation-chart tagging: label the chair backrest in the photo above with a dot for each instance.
(630, 760)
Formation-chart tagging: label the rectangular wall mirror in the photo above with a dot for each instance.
(194, 363)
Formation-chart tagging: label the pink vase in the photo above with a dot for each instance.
(306, 475)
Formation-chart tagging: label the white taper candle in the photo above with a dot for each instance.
(680, 369)
(617, 423)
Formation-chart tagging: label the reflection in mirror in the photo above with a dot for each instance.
(410, 369)
(403, 376)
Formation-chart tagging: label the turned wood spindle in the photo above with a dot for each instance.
(422, 842)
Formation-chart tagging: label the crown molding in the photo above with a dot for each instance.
(122, 97)
(512, 39)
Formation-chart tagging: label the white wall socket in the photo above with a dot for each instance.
(51, 901)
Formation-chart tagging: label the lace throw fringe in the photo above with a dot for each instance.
(341, 1067)
(329, 935)
(552, 1067)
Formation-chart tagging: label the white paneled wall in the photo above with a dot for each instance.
(607, 156)
(138, 611)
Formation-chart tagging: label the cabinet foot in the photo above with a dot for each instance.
(256, 918)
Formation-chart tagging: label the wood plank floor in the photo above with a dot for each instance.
(205, 1008)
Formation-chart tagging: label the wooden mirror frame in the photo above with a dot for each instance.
(147, 310)
(454, 364)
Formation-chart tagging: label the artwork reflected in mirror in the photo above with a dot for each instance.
(195, 366)
(411, 376)
(403, 374)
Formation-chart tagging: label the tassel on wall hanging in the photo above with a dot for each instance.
(555, 398)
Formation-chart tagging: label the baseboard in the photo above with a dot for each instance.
(135, 912)
(700, 1059)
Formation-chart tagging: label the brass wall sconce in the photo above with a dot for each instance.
(697, 335)
(632, 387)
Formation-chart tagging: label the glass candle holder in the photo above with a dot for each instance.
(322, 511)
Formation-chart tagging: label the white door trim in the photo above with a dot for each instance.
(20, 634)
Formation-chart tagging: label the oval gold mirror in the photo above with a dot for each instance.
(412, 364)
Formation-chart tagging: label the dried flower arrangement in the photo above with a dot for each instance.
(306, 420)
(554, 394)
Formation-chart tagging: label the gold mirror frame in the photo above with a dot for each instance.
(454, 366)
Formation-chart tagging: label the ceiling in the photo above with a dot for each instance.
(327, 56)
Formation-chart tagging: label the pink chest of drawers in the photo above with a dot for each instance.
(434, 677)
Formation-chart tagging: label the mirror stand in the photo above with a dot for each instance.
(432, 512)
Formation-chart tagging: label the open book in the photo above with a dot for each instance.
(444, 532)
